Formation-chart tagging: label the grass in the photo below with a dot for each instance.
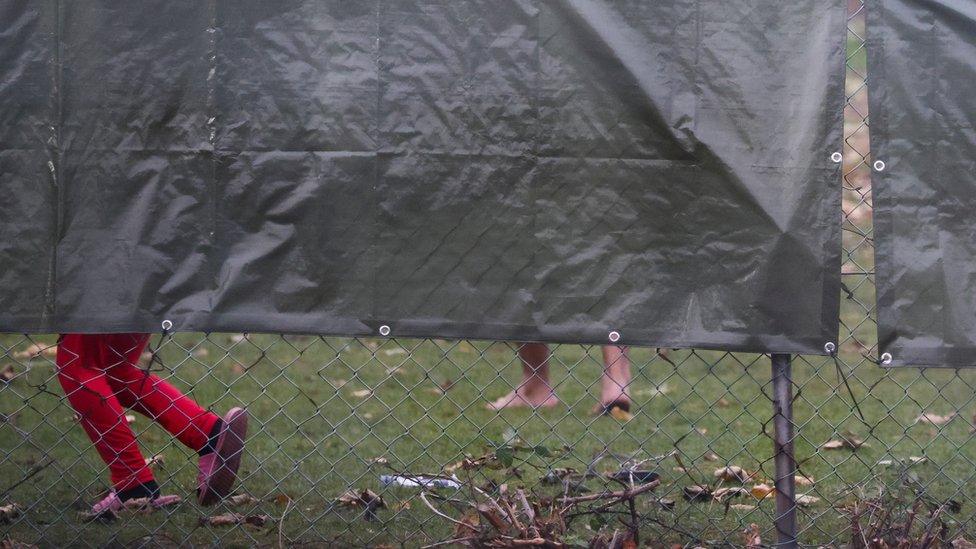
(315, 431)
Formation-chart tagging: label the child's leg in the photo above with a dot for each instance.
(101, 414)
(152, 396)
(534, 390)
(615, 383)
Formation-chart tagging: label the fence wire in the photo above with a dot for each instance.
(348, 436)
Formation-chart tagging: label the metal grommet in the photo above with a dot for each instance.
(837, 157)
(384, 330)
(879, 165)
(886, 359)
(167, 325)
(614, 336)
(830, 347)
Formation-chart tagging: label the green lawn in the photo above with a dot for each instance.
(313, 441)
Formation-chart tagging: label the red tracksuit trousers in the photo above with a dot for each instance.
(100, 376)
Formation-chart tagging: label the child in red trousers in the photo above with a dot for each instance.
(100, 376)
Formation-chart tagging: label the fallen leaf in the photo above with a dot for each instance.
(362, 393)
(805, 500)
(620, 414)
(723, 403)
(7, 373)
(963, 543)
(201, 352)
(761, 491)
(238, 368)
(804, 481)
(233, 519)
(666, 503)
(711, 456)
(129, 418)
(380, 460)
(50, 351)
(14, 544)
(935, 419)
(241, 499)
(9, 512)
(155, 462)
(701, 431)
(282, 499)
(237, 338)
(751, 538)
(732, 473)
(367, 499)
(395, 351)
(337, 383)
(742, 507)
(847, 441)
(698, 493)
(727, 492)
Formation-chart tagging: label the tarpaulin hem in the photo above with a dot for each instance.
(347, 327)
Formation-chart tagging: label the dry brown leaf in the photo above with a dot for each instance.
(962, 543)
(723, 403)
(620, 414)
(50, 351)
(238, 368)
(751, 538)
(9, 512)
(762, 491)
(129, 418)
(934, 419)
(805, 500)
(282, 499)
(701, 431)
(362, 393)
(241, 499)
(711, 456)
(233, 519)
(848, 441)
(14, 544)
(725, 493)
(367, 499)
(804, 481)
(742, 507)
(680, 470)
(732, 473)
(697, 492)
(7, 373)
(201, 352)
(155, 462)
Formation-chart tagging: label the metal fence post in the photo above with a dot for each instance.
(785, 460)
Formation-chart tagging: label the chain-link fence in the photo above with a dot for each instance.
(393, 442)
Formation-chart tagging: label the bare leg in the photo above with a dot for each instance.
(615, 383)
(534, 390)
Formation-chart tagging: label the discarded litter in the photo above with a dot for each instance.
(418, 482)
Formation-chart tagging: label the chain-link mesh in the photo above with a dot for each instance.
(341, 430)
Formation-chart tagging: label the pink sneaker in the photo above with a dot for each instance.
(218, 469)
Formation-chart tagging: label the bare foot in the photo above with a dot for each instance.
(526, 396)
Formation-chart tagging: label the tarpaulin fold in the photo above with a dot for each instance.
(921, 67)
(519, 169)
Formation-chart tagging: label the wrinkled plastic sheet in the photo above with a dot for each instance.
(499, 169)
(921, 66)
